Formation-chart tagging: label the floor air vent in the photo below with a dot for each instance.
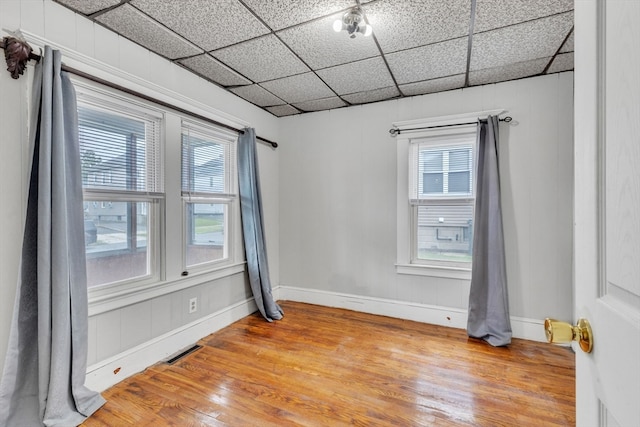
(182, 354)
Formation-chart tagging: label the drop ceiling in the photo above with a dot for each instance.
(284, 56)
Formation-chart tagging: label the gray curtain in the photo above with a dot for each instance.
(46, 361)
(488, 298)
(253, 226)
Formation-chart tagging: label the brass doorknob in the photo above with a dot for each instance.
(562, 332)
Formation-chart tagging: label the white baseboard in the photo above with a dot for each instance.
(528, 329)
(110, 371)
(444, 316)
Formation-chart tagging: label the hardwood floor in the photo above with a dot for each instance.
(321, 366)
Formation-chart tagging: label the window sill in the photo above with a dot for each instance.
(108, 298)
(460, 273)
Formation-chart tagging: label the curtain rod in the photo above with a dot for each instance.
(395, 131)
(17, 52)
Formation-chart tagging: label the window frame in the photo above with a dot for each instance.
(229, 197)
(415, 129)
(461, 137)
(105, 99)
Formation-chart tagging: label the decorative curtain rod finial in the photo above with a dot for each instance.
(16, 52)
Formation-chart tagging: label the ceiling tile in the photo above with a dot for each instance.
(434, 85)
(257, 95)
(372, 95)
(401, 24)
(283, 110)
(88, 6)
(133, 24)
(562, 62)
(508, 72)
(279, 14)
(208, 67)
(357, 76)
(429, 62)
(302, 87)
(264, 58)
(492, 14)
(319, 46)
(568, 45)
(263, 50)
(208, 24)
(321, 104)
(521, 42)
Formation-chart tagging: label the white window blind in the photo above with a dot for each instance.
(119, 148)
(208, 162)
(441, 168)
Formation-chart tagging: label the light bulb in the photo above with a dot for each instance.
(368, 30)
(337, 25)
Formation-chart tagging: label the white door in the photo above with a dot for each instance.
(607, 210)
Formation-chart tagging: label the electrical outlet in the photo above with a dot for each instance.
(193, 305)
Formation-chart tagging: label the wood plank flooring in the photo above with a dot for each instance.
(321, 366)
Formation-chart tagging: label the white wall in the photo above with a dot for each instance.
(115, 58)
(338, 200)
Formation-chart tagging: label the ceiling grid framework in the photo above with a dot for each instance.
(286, 58)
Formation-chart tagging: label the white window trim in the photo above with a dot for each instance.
(404, 212)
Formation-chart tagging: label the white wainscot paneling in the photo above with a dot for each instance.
(85, 36)
(161, 314)
(121, 365)
(135, 327)
(108, 338)
(31, 16)
(134, 58)
(59, 25)
(106, 46)
(92, 345)
(9, 15)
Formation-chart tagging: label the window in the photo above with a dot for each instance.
(435, 198)
(441, 195)
(123, 187)
(159, 191)
(208, 192)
